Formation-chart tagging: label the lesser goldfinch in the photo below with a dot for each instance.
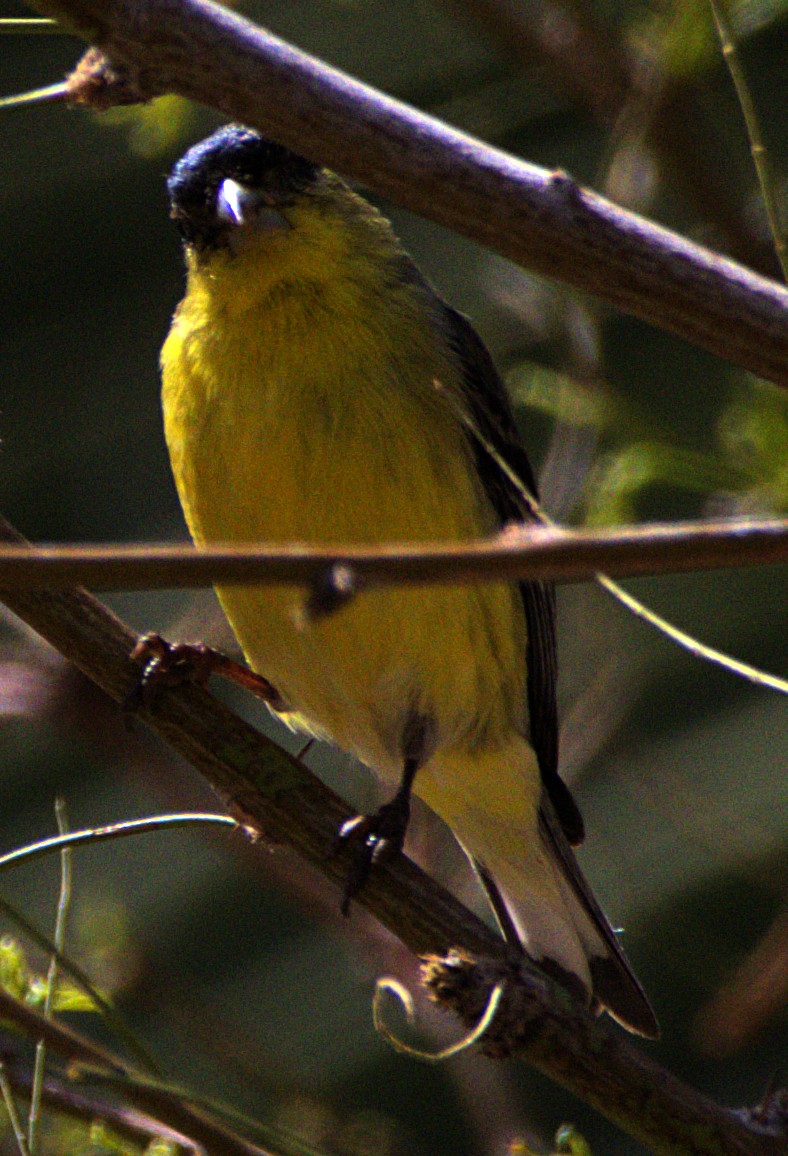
(316, 389)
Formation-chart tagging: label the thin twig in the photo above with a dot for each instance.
(539, 219)
(92, 835)
(24, 26)
(13, 1113)
(542, 552)
(50, 94)
(112, 1017)
(549, 553)
(687, 642)
(172, 1106)
(86, 1105)
(59, 940)
(63, 1040)
(758, 148)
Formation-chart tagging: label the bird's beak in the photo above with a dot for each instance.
(239, 205)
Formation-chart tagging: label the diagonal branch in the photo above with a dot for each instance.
(539, 219)
(276, 797)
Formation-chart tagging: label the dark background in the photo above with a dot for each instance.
(231, 962)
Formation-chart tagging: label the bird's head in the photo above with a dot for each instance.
(235, 182)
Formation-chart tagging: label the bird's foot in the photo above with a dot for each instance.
(372, 838)
(166, 664)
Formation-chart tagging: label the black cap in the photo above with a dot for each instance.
(244, 156)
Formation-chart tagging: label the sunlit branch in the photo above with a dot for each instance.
(542, 220)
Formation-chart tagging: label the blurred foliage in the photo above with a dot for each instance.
(17, 978)
(745, 471)
(568, 1142)
(156, 128)
(74, 1138)
(102, 1140)
(234, 963)
(691, 44)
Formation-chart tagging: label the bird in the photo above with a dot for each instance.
(316, 389)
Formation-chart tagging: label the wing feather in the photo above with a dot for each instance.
(489, 408)
(560, 822)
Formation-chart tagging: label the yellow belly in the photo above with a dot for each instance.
(271, 447)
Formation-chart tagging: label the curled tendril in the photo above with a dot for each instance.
(401, 993)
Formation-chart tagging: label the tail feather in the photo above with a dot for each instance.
(499, 811)
(614, 984)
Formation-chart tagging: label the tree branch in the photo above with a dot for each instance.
(539, 219)
(60, 1094)
(536, 552)
(169, 1105)
(589, 65)
(277, 798)
(673, 1118)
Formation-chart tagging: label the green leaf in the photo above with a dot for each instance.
(14, 972)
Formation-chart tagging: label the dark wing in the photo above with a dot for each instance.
(560, 822)
(488, 406)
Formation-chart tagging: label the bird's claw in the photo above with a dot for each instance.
(167, 664)
(173, 663)
(373, 838)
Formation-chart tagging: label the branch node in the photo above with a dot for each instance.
(564, 183)
(463, 984)
(98, 84)
(332, 588)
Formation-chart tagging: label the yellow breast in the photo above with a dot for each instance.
(310, 409)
